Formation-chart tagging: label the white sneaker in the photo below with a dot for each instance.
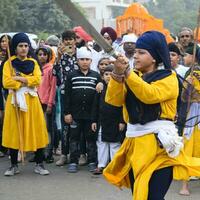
(62, 160)
(2, 154)
(39, 169)
(12, 171)
(82, 159)
(194, 178)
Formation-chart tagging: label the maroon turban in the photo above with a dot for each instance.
(111, 32)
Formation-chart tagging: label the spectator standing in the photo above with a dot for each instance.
(66, 62)
(79, 95)
(108, 123)
(23, 76)
(47, 92)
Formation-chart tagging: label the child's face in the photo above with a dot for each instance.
(22, 49)
(106, 77)
(144, 62)
(69, 42)
(188, 59)
(103, 64)
(174, 58)
(42, 57)
(4, 43)
(84, 63)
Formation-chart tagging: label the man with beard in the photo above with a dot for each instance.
(81, 37)
(185, 36)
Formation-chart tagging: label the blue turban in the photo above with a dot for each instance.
(155, 43)
(18, 38)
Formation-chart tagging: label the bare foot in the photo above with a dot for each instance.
(184, 192)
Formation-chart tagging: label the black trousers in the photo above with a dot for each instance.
(2, 149)
(159, 183)
(50, 128)
(78, 129)
(39, 156)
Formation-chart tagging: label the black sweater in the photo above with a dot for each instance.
(80, 90)
(108, 117)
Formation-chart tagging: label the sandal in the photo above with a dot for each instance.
(98, 171)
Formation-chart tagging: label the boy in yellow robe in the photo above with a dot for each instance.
(151, 154)
(192, 127)
(21, 77)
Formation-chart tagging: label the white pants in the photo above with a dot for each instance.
(106, 151)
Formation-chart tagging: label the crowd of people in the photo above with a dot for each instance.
(69, 94)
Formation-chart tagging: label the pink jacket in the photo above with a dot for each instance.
(47, 88)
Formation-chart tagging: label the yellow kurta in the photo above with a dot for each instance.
(192, 146)
(143, 154)
(33, 125)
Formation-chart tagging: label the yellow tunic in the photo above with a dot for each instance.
(33, 125)
(192, 146)
(143, 154)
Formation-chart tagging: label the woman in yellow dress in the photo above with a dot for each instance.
(21, 76)
(191, 132)
(151, 154)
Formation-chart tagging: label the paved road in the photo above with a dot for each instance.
(61, 185)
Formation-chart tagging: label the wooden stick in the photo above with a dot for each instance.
(195, 43)
(21, 138)
(193, 61)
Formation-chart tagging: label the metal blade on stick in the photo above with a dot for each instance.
(74, 14)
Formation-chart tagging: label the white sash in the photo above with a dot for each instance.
(20, 97)
(165, 130)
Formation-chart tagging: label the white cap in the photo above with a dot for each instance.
(83, 52)
(129, 38)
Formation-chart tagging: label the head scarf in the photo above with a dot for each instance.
(84, 52)
(82, 34)
(110, 31)
(19, 38)
(174, 48)
(129, 38)
(155, 43)
(23, 66)
(53, 40)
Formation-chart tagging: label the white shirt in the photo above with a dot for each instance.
(181, 70)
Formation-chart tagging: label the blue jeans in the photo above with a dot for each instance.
(64, 131)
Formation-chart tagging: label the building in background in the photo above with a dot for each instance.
(104, 12)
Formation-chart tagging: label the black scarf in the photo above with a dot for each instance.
(25, 67)
(140, 112)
